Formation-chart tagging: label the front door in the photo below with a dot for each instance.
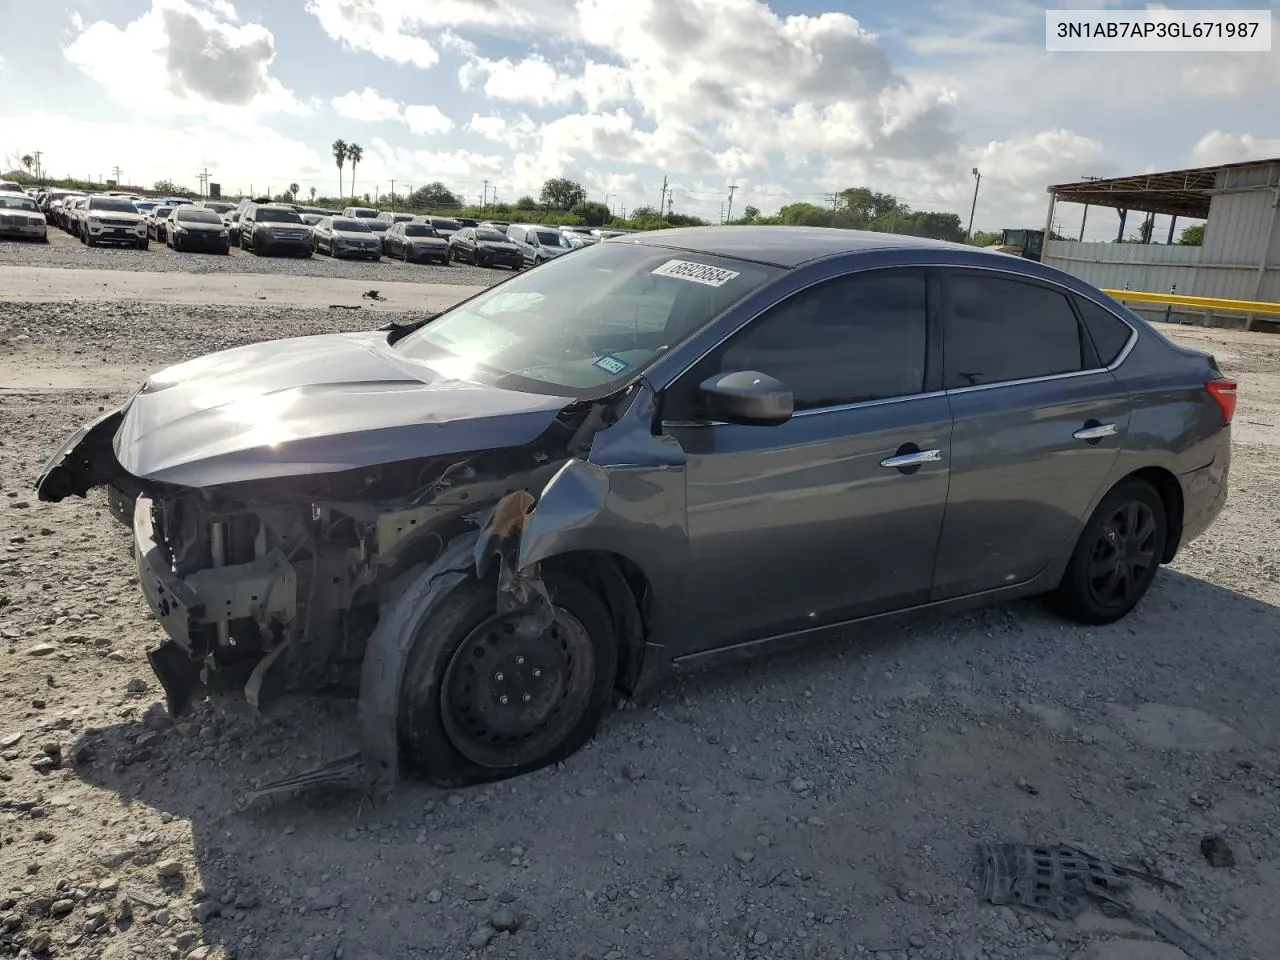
(1039, 423)
(837, 512)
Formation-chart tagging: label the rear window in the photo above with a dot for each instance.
(355, 226)
(363, 213)
(440, 223)
(112, 205)
(419, 230)
(1108, 332)
(161, 212)
(379, 226)
(493, 236)
(218, 206)
(196, 215)
(277, 215)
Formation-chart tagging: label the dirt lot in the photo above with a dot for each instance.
(825, 804)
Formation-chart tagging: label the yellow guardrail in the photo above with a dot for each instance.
(1210, 304)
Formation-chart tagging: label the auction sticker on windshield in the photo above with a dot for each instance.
(611, 364)
(696, 272)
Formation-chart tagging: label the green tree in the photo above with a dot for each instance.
(561, 193)
(170, 188)
(293, 190)
(750, 214)
(28, 162)
(985, 238)
(1192, 236)
(920, 223)
(340, 157)
(526, 203)
(858, 208)
(434, 196)
(355, 153)
(592, 214)
(805, 215)
(313, 194)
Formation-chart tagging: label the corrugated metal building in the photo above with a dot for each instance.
(1240, 257)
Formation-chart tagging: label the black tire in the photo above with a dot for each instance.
(88, 240)
(1116, 558)
(144, 244)
(459, 637)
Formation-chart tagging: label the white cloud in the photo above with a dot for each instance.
(513, 133)
(366, 104)
(397, 30)
(369, 106)
(1219, 147)
(206, 61)
(425, 119)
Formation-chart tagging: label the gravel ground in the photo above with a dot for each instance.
(824, 804)
(64, 250)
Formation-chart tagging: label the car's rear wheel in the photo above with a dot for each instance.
(480, 702)
(88, 240)
(1116, 558)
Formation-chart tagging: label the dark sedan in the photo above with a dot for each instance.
(416, 243)
(346, 237)
(692, 445)
(484, 248)
(197, 228)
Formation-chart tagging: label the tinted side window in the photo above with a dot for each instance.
(848, 340)
(1108, 331)
(1004, 330)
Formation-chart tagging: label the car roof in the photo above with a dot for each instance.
(784, 246)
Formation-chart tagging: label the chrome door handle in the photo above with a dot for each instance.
(1096, 433)
(912, 459)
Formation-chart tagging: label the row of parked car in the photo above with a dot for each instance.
(268, 227)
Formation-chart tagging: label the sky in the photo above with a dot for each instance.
(785, 100)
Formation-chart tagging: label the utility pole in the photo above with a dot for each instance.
(116, 170)
(484, 199)
(671, 202)
(37, 155)
(729, 212)
(977, 181)
(662, 202)
(1083, 218)
(203, 177)
(835, 207)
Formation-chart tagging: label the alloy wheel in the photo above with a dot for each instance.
(1124, 555)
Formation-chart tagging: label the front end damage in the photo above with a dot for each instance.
(301, 583)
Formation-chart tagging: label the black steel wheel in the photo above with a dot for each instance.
(481, 702)
(1117, 556)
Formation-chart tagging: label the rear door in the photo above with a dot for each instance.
(836, 513)
(1039, 422)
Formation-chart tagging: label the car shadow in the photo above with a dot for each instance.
(314, 872)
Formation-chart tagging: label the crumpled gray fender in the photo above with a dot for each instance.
(626, 498)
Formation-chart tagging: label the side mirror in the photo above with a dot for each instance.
(747, 397)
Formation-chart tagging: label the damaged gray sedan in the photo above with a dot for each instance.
(663, 450)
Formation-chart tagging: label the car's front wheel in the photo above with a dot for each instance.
(1116, 558)
(481, 702)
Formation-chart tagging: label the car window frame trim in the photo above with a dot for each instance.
(937, 268)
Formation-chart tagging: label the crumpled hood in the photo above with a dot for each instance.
(313, 405)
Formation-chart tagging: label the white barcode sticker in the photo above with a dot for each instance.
(696, 272)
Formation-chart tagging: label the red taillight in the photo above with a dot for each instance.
(1224, 391)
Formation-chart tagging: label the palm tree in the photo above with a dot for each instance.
(356, 153)
(340, 155)
(28, 161)
(293, 190)
(313, 194)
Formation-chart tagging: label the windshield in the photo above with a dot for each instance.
(579, 324)
(440, 223)
(112, 205)
(219, 207)
(419, 230)
(162, 212)
(491, 236)
(551, 238)
(361, 212)
(352, 226)
(379, 226)
(197, 215)
(277, 215)
(17, 202)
